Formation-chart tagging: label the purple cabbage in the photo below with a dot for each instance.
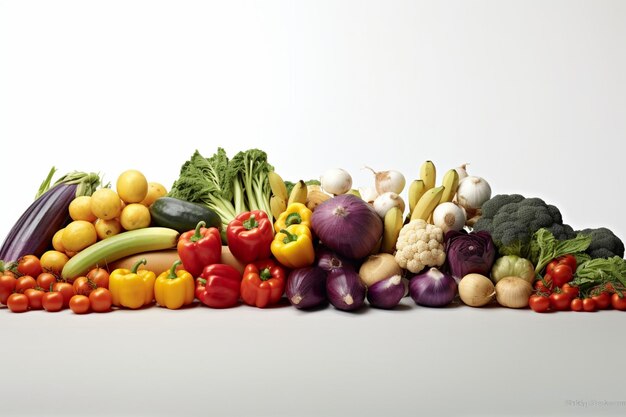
(468, 253)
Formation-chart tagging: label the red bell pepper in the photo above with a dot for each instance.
(218, 286)
(250, 235)
(199, 248)
(263, 283)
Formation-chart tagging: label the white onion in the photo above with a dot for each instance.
(386, 202)
(387, 181)
(476, 290)
(336, 181)
(473, 192)
(449, 216)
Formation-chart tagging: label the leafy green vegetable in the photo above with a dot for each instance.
(249, 171)
(601, 271)
(544, 247)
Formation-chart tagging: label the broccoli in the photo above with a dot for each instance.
(604, 243)
(513, 219)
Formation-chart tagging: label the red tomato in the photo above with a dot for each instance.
(17, 303)
(100, 276)
(83, 286)
(576, 304)
(559, 301)
(618, 303)
(45, 280)
(539, 303)
(29, 265)
(540, 286)
(569, 260)
(79, 304)
(550, 267)
(561, 274)
(7, 286)
(571, 291)
(25, 282)
(52, 301)
(100, 300)
(34, 298)
(589, 304)
(66, 290)
(602, 300)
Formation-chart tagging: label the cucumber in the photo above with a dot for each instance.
(182, 215)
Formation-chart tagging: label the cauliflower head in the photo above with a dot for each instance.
(420, 245)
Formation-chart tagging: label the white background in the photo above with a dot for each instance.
(532, 94)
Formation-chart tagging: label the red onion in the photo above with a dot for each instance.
(347, 225)
(306, 287)
(345, 289)
(386, 293)
(329, 260)
(433, 288)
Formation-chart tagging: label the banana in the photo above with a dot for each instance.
(416, 191)
(393, 222)
(426, 205)
(277, 205)
(451, 182)
(279, 189)
(298, 193)
(428, 174)
(120, 246)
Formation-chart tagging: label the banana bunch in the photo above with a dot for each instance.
(280, 199)
(424, 196)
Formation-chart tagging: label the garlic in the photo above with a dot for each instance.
(449, 216)
(473, 192)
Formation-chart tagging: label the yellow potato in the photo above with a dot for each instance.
(132, 186)
(78, 235)
(106, 204)
(135, 216)
(80, 209)
(155, 190)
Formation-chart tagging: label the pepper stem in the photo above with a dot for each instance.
(293, 218)
(172, 274)
(265, 274)
(135, 267)
(197, 235)
(289, 237)
(251, 223)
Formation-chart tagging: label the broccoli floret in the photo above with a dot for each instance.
(604, 243)
(512, 220)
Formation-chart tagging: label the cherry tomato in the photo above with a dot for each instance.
(100, 300)
(52, 301)
(79, 304)
(618, 303)
(100, 276)
(45, 279)
(589, 304)
(561, 274)
(576, 304)
(540, 286)
(602, 300)
(34, 298)
(29, 265)
(17, 303)
(83, 286)
(66, 290)
(559, 301)
(25, 282)
(7, 286)
(539, 303)
(569, 260)
(570, 290)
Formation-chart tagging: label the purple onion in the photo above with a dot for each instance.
(347, 225)
(345, 289)
(433, 288)
(329, 260)
(306, 287)
(386, 293)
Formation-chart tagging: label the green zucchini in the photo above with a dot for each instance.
(182, 215)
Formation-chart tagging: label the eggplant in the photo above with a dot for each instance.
(32, 233)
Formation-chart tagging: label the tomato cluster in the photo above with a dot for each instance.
(554, 291)
(29, 286)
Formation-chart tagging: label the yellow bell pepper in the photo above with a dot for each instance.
(296, 213)
(293, 246)
(132, 288)
(174, 289)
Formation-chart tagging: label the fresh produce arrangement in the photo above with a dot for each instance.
(231, 231)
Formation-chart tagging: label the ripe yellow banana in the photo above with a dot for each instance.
(428, 174)
(426, 205)
(416, 191)
(277, 205)
(393, 222)
(279, 189)
(298, 193)
(451, 182)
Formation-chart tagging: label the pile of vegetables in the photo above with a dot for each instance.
(231, 231)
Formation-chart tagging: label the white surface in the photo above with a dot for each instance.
(533, 94)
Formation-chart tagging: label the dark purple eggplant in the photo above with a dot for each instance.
(345, 289)
(33, 231)
(306, 287)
